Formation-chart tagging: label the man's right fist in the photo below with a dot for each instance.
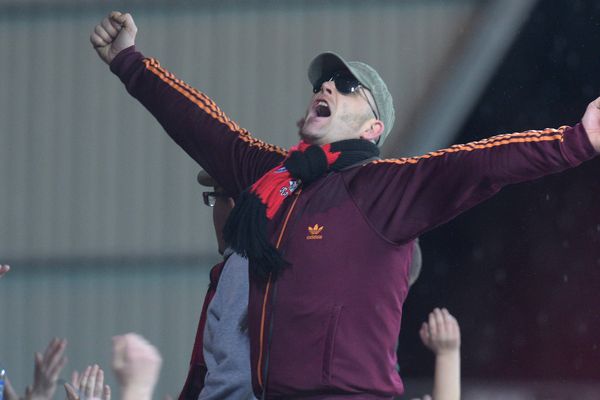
(114, 34)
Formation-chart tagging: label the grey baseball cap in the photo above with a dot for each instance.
(328, 63)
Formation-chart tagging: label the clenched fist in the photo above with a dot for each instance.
(136, 364)
(113, 34)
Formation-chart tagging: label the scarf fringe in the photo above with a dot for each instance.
(246, 232)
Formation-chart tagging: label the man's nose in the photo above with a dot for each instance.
(328, 87)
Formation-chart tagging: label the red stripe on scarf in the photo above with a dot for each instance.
(277, 184)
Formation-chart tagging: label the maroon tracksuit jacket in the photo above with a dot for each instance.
(328, 327)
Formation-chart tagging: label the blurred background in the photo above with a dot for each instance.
(103, 224)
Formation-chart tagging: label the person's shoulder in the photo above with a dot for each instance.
(235, 268)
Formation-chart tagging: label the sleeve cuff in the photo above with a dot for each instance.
(124, 59)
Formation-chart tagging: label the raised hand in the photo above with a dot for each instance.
(114, 33)
(46, 370)
(136, 364)
(91, 386)
(441, 334)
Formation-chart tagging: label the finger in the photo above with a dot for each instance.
(446, 319)
(432, 325)
(109, 28)
(455, 329)
(439, 320)
(4, 269)
(71, 392)
(56, 369)
(115, 24)
(38, 361)
(84, 378)
(75, 379)
(115, 16)
(450, 322)
(99, 384)
(56, 356)
(91, 383)
(126, 20)
(38, 368)
(106, 395)
(51, 348)
(97, 41)
(99, 30)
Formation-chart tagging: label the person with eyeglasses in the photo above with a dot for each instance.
(220, 362)
(327, 226)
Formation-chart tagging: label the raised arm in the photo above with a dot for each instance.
(429, 190)
(47, 369)
(441, 334)
(227, 152)
(90, 386)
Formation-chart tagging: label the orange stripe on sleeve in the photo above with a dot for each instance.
(208, 106)
(494, 141)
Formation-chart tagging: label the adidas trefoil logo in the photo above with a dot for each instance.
(314, 232)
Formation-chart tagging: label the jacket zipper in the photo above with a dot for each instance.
(267, 290)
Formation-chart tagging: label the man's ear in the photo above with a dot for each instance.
(373, 131)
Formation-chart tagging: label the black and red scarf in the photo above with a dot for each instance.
(246, 227)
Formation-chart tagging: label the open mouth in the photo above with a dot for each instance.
(322, 109)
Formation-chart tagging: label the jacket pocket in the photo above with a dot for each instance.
(329, 350)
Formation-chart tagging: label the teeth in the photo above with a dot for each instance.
(322, 103)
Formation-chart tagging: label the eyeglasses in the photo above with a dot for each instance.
(346, 83)
(210, 198)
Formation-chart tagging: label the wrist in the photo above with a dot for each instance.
(136, 392)
(447, 354)
(39, 393)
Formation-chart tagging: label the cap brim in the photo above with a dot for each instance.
(325, 64)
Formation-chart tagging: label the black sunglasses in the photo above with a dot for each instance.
(345, 83)
(210, 198)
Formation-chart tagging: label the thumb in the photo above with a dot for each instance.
(125, 20)
(38, 359)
